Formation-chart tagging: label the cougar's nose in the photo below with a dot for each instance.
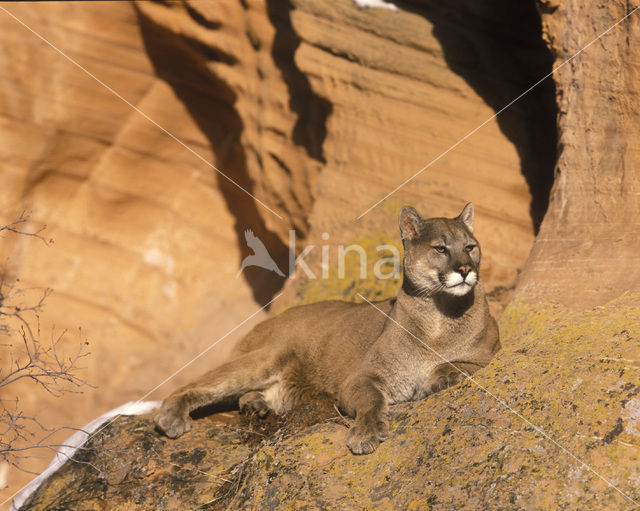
(464, 270)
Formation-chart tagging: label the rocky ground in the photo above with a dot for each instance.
(552, 423)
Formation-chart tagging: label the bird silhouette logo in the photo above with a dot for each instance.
(260, 256)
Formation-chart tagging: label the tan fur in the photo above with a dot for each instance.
(353, 352)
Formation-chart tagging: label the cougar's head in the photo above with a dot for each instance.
(441, 255)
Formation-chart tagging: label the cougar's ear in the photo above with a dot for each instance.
(410, 223)
(466, 217)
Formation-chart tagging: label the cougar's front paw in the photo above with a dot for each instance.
(443, 382)
(364, 438)
(171, 423)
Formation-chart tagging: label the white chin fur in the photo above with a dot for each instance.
(458, 286)
(459, 290)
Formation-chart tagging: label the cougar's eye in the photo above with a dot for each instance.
(440, 249)
(469, 248)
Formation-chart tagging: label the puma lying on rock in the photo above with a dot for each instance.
(357, 354)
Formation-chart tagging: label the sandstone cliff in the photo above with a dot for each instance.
(320, 113)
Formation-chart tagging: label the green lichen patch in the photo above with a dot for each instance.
(357, 274)
(542, 427)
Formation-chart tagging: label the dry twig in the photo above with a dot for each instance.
(27, 357)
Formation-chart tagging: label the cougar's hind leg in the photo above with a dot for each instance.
(246, 373)
(254, 402)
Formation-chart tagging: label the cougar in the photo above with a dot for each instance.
(366, 356)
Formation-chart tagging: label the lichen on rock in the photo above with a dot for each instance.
(554, 409)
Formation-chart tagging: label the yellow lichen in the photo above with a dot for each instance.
(348, 284)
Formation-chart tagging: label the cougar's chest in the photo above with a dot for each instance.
(445, 341)
(444, 337)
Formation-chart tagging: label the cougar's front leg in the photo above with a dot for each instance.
(361, 396)
(228, 382)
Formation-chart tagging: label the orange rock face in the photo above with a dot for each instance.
(146, 254)
(318, 113)
(586, 249)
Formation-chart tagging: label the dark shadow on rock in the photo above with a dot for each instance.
(213, 409)
(182, 63)
(497, 47)
(312, 110)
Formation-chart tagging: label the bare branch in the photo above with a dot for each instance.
(19, 226)
(29, 359)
